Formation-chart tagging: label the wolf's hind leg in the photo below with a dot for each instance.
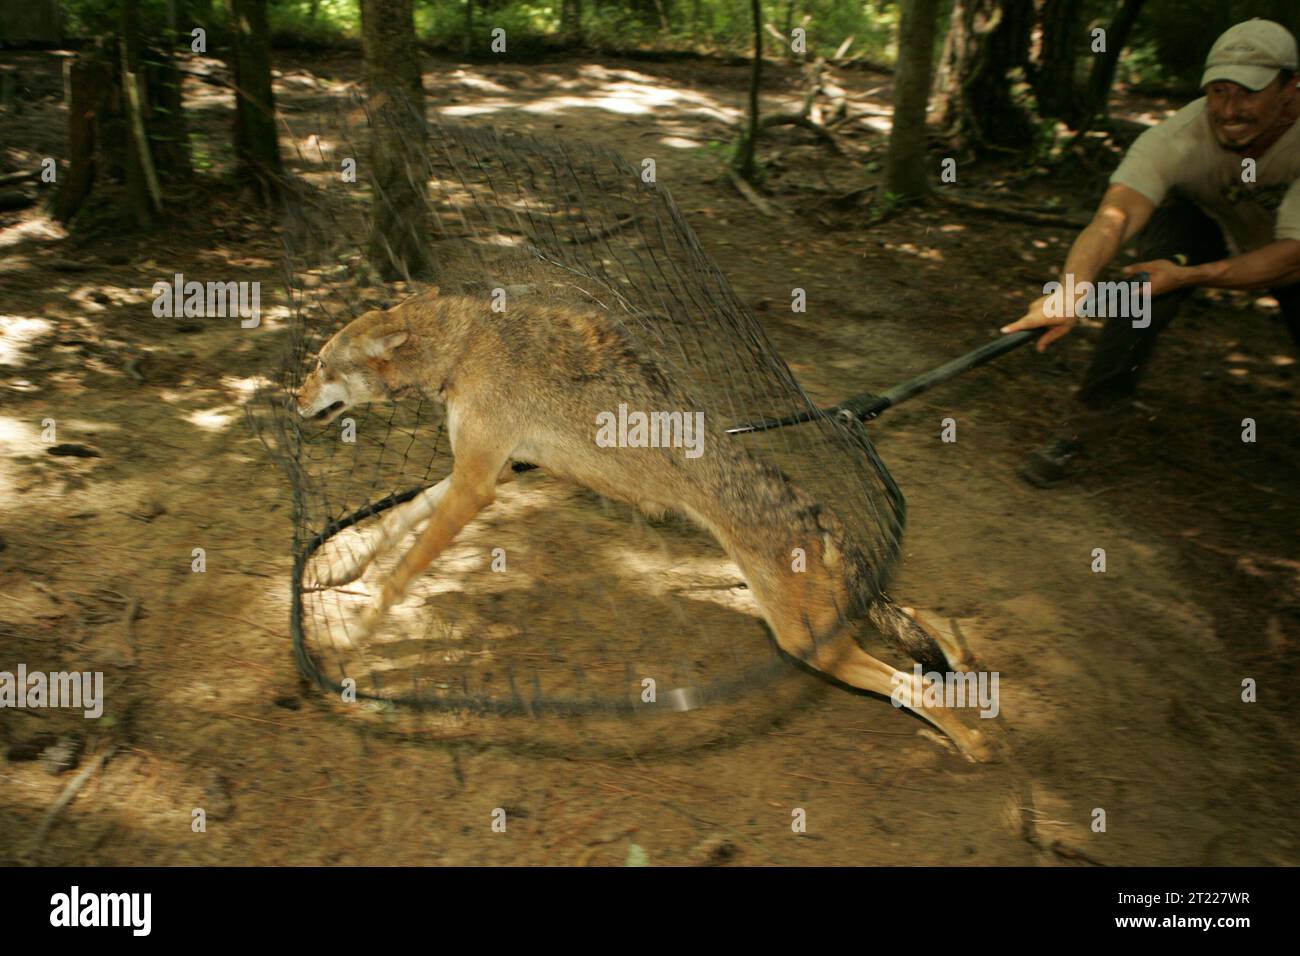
(796, 618)
(845, 661)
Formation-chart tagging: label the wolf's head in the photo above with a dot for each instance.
(358, 365)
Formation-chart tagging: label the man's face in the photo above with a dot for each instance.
(1242, 118)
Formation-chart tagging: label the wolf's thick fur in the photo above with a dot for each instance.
(527, 385)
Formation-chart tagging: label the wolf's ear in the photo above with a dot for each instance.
(385, 345)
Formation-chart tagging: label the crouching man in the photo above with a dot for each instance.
(1213, 195)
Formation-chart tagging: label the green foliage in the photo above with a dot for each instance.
(526, 24)
(724, 26)
(93, 17)
(1167, 48)
(718, 153)
(1172, 37)
(200, 156)
(1140, 66)
(320, 22)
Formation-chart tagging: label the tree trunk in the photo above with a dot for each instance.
(138, 173)
(399, 234)
(257, 148)
(125, 124)
(1055, 86)
(663, 17)
(744, 161)
(1095, 105)
(571, 21)
(988, 44)
(88, 84)
(905, 168)
(168, 133)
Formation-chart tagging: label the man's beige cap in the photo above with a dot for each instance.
(1251, 54)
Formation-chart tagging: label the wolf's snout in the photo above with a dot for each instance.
(310, 404)
(314, 411)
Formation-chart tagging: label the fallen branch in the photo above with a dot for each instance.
(130, 81)
(1017, 213)
(853, 197)
(802, 120)
(603, 233)
(215, 79)
(69, 794)
(746, 190)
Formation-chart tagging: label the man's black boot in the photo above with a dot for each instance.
(1058, 460)
(1053, 463)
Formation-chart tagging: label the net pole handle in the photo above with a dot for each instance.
(867, 407)
(870, 406)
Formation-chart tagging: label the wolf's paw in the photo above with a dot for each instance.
(354, 629)
(341, 637)
(976, 746)
(340, 562)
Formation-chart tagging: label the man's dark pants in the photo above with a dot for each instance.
(1123, 353)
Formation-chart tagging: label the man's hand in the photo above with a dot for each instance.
(1122, 214)
(1036, 318)
(1165, 275)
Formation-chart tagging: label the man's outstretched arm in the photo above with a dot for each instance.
(1120, 216)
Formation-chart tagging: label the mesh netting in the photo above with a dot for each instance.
(558, 599)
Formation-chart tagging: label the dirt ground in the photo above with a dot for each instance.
(1120, 691)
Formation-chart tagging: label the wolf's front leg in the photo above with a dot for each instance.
(471, 488)
(346, 557)
(349, 555)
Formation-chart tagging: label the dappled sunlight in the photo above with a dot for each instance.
(102, 297)
(18, 436)
(18, 439)
(88, 426)
(877, 124)
(245, 387)
(623, 93)
(713, 579)
(479, 108)
(475, 82)
(18, 334)
(215, 419)
(928, 253)
(274, 316)
(632, 99)
(681, 142)
(37, 228)
(314, 146)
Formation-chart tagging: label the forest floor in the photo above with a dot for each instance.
(1121, 691)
